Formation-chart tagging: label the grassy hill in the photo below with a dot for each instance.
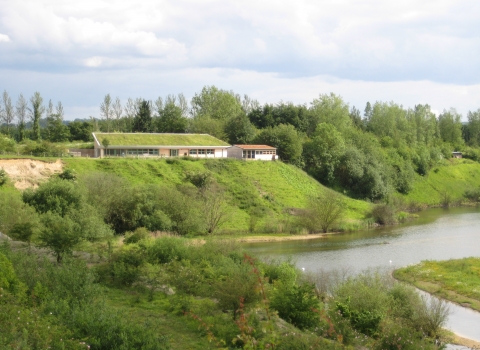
(274, 186)
(453, 178)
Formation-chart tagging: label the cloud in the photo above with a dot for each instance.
(407, 51)
(82, 93)
(4, 38)
(437, 40)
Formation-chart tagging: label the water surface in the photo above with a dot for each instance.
(437, 234)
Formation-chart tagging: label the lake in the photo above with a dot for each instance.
(438, 234)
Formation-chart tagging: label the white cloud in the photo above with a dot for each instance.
(407, 51)
(81, 93)
(4, 38)
(93, 61)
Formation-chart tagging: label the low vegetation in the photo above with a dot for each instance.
(167, 293)
(455, 280)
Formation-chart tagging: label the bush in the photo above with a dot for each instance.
(68, 174)
(365, 321)
(43, 149)
(364, 301)
(296, 304)
(125, 266)
(14, 211)
(136, 236)
(384, 214)
(472, 195)
(7, 144)
(59, 235)
(166, 249)
(3, 177)
(56, 196)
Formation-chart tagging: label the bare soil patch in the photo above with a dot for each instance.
(26, 173)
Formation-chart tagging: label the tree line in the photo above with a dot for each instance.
(367, 154)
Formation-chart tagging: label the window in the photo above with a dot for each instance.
(210, 151)
(193, 152)
(201, 151)
(174, 153)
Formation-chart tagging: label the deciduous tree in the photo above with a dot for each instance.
(323, 211)
(36, 111)
(21, 113)
(7, 113)
(106, 110)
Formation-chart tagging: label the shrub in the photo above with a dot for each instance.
(56, 196)
(323, 212)
(365, 321)
(23, 231)
(59, 235)
(384, 214)
(166, 249)
(68, 174)
(364, 301)
(239, 286)
(43, 149)
(472, 195)
(3, 177)
(136, 236)
(199, 179)
(125, 265)
(7, 144)
(296, 304)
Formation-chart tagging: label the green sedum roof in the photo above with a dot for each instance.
(140, 139)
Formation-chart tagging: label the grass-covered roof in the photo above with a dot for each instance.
(140, 139)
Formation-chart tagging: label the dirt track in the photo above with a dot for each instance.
(26, 173)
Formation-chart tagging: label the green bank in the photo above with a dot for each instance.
(455, 280)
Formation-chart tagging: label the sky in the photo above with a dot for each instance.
(405, 51)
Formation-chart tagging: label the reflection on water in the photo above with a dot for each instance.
(438, 234)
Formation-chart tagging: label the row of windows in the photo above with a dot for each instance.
(153, 152)
(130, 152)
(258, 152)
(201, 151)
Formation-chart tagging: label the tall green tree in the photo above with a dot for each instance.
(215, 103)
(287, 141)
(57, 131)
(143, 118)
(474, 127)
(106, 110)
(60, 234)
(21, 112)
(80, 131)
(7, 113)
(36, 111)
(323, 153)
(331, 109)
(171, 118)
(240, 130)
(450, 127)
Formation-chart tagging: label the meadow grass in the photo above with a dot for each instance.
(453, 177)
(142, 139)
(457, 280)
(273, 186)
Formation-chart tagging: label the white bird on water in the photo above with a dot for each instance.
(303, 269)
(390, 262)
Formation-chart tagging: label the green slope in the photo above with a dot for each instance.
(454, 177)
(272, 185)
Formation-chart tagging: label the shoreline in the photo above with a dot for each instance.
(457, 339)
(469, 343)
(266, 238)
